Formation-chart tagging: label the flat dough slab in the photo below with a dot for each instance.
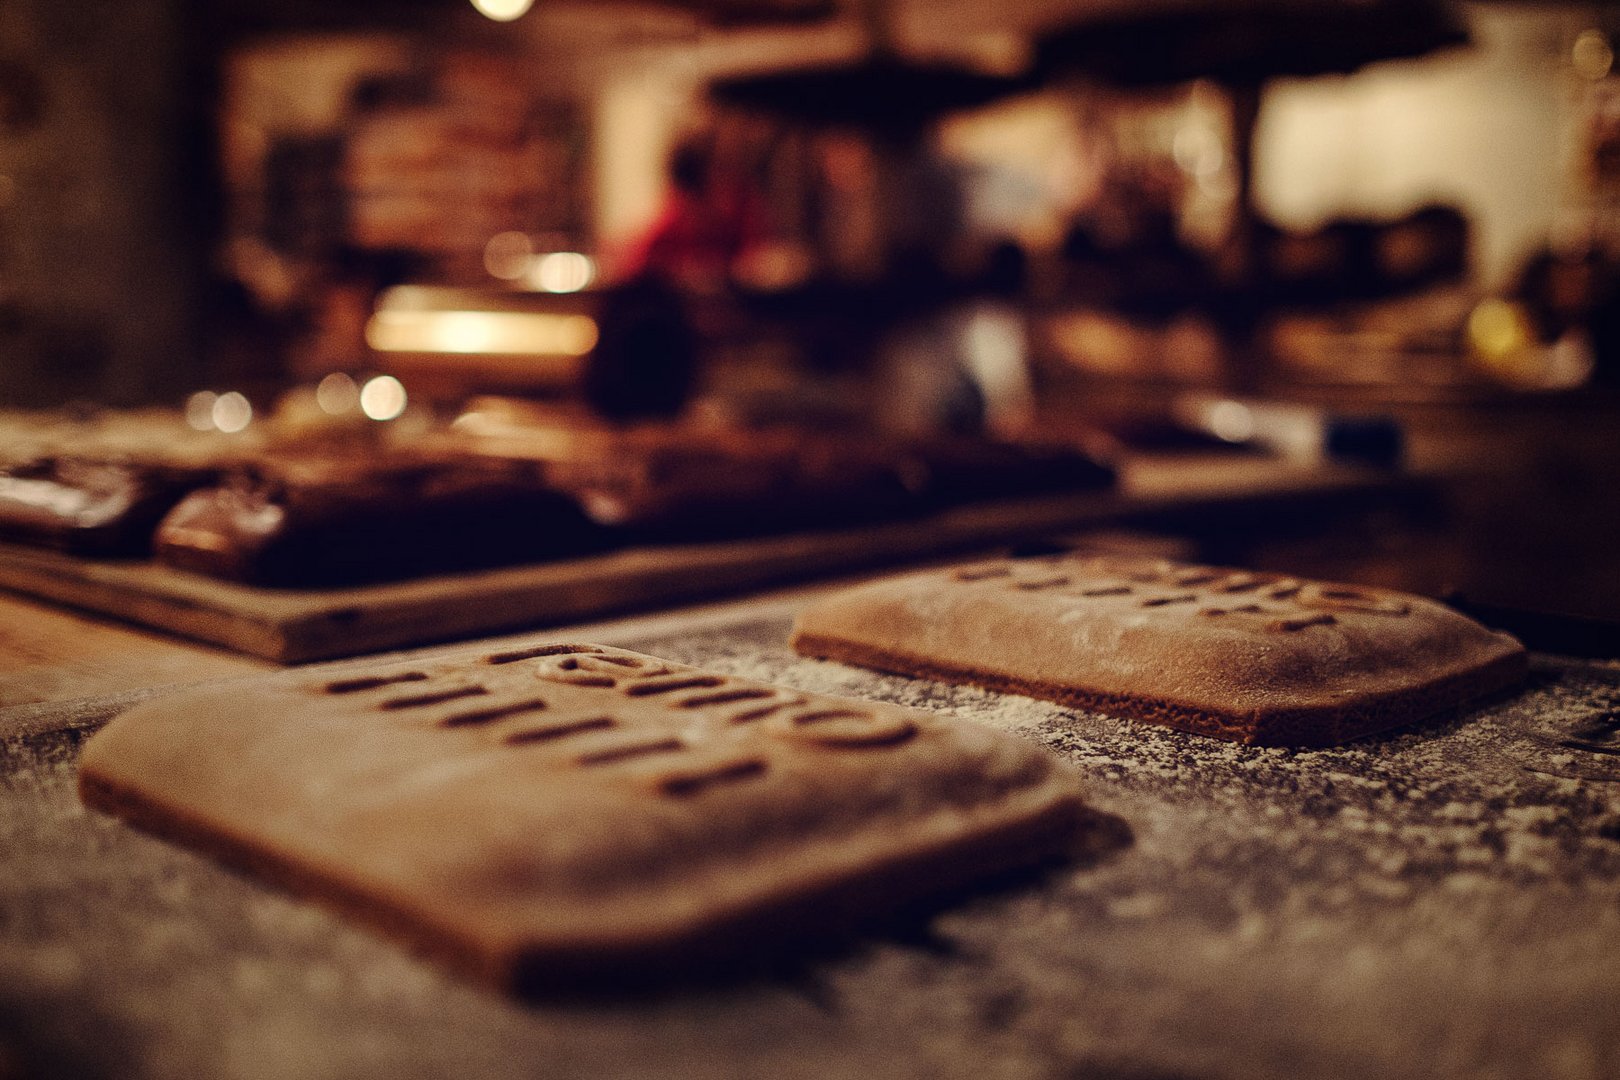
(1257, 658)
(571, 810)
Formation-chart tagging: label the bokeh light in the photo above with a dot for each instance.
(1592, 55)
(382, 398)
(562, 272)
(503, 10)
(490, 333)
(1501, 340)
(508, 255)
(337, 394)
(200, 410)
(232, 412)
(1231, 421)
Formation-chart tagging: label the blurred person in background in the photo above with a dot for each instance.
(712, 217)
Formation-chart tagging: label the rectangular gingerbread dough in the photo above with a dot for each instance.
(571, 810)
(1258, 658)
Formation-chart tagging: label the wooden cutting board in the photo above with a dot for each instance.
(293, 626)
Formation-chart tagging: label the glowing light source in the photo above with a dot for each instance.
(508, 255)
(1231, 420)
(503, 10)
(1592, 55)
(1569, 362)
(1496, 328)
(1198, 151)
(337, 394)
(1500, 338)
(561, 272)
(382, 398)
(232, 412)
(489, 333)
(200, 410)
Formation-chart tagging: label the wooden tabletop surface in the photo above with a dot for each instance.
(49, 653)
(1436, 903)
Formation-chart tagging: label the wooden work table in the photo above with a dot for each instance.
(57, 663)
(49, 653)
(1437, 902)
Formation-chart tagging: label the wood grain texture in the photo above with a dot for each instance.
(47, 654)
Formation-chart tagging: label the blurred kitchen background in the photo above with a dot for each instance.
(1328, 230)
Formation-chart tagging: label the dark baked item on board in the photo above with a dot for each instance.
(964, 470)
(313, 522)
(91, 506)
(1257, 658)
(663, 486)
(567, 810)
(680, 481)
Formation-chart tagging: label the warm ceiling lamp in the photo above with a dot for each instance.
(503, 10)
